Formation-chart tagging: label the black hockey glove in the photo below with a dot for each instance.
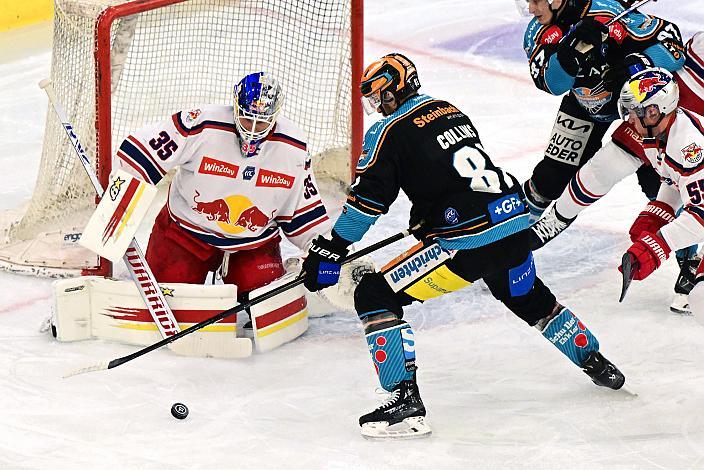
(570, 51)
(615, 75)
(321, 268)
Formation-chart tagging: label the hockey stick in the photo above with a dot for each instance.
(627, 272)
(134, 258)
(585, 47)
(237, 308)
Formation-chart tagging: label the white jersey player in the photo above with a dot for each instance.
(622, 157)
(244, 177)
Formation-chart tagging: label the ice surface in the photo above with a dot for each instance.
(498, 395)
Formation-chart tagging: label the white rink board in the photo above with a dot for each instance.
(498, 395)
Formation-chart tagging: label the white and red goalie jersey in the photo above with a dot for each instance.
(229, 201)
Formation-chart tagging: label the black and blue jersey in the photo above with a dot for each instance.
(431, 150)
(654, 37)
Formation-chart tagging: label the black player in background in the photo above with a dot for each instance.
(590, 81)
(475, 227)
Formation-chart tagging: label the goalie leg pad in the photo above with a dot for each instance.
(280, 319)
(392, 347)
(95, 307)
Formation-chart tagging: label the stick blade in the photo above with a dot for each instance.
(627, 273)
(105, 365)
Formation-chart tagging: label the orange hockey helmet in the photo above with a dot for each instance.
(395, 73)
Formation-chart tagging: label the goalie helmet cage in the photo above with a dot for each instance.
(118, 65)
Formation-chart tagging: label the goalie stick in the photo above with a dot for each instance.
(134, 258)
(238, 308)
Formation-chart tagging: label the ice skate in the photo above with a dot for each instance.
(401, 416)
(602, 371)
(680, 304)
(684, 284)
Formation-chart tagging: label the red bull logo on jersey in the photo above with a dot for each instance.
(233, 214)
(192, 115)
(272, 179)
(212, 210)
(693, 153)
(252, 219)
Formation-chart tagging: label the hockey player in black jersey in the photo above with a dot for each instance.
(475, 227)
(572, 53)
(590, 78)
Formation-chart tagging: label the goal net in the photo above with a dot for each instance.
(118, 65)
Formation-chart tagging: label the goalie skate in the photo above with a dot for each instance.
(401, 416)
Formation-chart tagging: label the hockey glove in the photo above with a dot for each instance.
(321, 268)
(655, 215)
(649, 251)
(587, 32)
(615, 75)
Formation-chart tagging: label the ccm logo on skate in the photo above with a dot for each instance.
(211, 166)
(271, 179)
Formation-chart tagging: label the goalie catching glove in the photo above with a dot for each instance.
(321, 267)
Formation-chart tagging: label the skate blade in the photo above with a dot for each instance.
(409, 428)
(680, 305)
(681, 310)
(628, 390)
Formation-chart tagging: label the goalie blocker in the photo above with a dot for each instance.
(118, 216)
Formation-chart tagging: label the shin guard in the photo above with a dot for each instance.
(392, 347)
(570, 336)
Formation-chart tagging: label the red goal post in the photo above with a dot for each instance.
(147, 59)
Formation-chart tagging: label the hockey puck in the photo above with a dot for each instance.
(179, 411)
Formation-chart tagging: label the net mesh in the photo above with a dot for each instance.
(180, 56)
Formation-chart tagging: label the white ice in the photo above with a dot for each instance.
(498, 394)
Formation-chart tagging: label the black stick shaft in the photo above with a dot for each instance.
(256, 300)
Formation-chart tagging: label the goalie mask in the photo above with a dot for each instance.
(258, 100)
(393, 73)
(652, 88)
